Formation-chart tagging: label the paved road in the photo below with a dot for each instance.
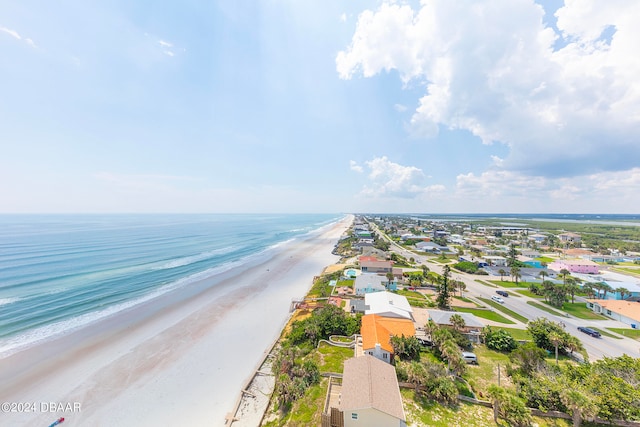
(597, 348)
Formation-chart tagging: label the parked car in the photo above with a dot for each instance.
(497, 299)
(589, 331)
(469, 357)
(503, 293)
(425, 342)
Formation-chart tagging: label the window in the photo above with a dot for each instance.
(609, 312)
(384, 356)
(354, 416)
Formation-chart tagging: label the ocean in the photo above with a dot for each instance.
(61, 272)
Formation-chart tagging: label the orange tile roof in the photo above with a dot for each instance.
(630, 309)
(378, 330)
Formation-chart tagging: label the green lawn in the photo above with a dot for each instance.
(627, 332)
(485, 314)
(580, 310)
(545, 308)
(484, 282)
(508, 284)
(528, 293)
(504, 309)
(331, 358)
(518, 334)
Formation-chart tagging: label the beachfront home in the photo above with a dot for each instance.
(575, 266)
(376, 332)
(370, 264)
(388, 304)
(367, 283)
(624, 311)
(370, 395)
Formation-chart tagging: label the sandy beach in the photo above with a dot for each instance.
(180, 359)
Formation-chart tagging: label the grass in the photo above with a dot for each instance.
(484, 282)
(504, 309)
(305, 411)
(580, 310)
(528, 293)
(485, 314)
(486, 372)
(331, 358)
(518, 334)
(545, 308)
(505, 284)
(630, 333)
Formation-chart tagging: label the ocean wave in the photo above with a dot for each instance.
(6, 301)
(181, 262)
(19, 342)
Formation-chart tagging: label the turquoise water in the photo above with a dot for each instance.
(60, 272)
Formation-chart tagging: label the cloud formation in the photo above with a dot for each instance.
(566, 104)
(392, 180)
(17, 36)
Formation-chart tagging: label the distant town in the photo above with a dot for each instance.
(466, 322)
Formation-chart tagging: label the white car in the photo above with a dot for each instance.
(497, 299)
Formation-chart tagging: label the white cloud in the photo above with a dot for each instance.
(354, 166)
(343, 17)
(17, 36)
(389, 179)
(491, 67)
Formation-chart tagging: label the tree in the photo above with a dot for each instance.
(511, 255)
(572, 287)
(509, 407)
(457, 322)
(580, 404)
(555, 339)
(564, 273)
(605, 287)
(406, 348)
(529, 357)
(501, 272)
(543, 275)
(499, 339)
(622, 291)
(515, 273)
(443, 297)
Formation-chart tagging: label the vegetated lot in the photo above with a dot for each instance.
(504, 309)
(305, 411)
(331, 358)
(630, 333)
(545, 308)
(486, 314)
(580, 310)
(507, 284)
(416, 299)
(518, 334)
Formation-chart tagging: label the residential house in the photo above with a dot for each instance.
(370, 264)
(496, 261)
(575, 266)
(624, 311)
(367, 283)
(432, 247)
(370, 394)
(569, 237)
(388, 304)
(377, 331)
(472, 327)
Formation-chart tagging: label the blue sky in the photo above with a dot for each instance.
(332, 106)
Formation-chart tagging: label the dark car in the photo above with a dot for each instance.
(589, 331)
(503, 293)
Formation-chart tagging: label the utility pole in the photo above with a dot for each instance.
(498, 375)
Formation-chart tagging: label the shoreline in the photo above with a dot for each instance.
(204, 342)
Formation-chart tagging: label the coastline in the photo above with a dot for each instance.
(182, 358)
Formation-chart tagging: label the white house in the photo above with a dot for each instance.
(624, 311)
(370, 394)
(388, 304)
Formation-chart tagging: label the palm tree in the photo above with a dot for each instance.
(515, 273)
(457, 322)
(580, 404)
(564, 273)
(622, 291)
(501, 272)
(605, 287)
(543, 275)
(556, 340)
(572, 286)
(589, 289)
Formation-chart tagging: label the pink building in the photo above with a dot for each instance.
(575, 266)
